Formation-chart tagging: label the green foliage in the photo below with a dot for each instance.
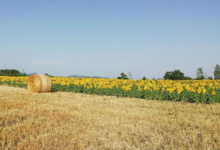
(162, 93)
(13, 74)
(144, 78)
(13, 84)
(186, 96)
(123, 76)
(9, 71)
(200, 74)
(210, 78)
(174, 75)
(217, 72)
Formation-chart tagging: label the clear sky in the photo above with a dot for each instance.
(107, 37)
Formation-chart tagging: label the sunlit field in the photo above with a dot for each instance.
(67, 120)
(193, 91)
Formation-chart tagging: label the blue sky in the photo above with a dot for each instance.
(105, 38)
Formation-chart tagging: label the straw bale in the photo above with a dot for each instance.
(39, 83)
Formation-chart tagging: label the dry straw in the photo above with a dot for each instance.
(39, 83)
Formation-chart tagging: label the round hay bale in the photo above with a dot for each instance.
(39, 83)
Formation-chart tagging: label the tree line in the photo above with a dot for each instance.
(178, 75)
(11, 72)
(14, 72)
(169, 75)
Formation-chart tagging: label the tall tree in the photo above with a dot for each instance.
(210, 78)
(174, 75)
(200, 74)
(144, 78)
(205, 76)
(168, 75)
(130, 75)
(123, 76)
(217, 72)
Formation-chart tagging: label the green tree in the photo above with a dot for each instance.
(173, 75)
(144, 78)
(210, 78)
(217, 72)
(168, 75)
(9, 71)
(200, 74)
(123, 76)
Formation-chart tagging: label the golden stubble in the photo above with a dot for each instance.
(62, 120)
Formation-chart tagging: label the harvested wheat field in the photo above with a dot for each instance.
(62, 120)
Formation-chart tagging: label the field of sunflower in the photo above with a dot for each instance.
(200, 91)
